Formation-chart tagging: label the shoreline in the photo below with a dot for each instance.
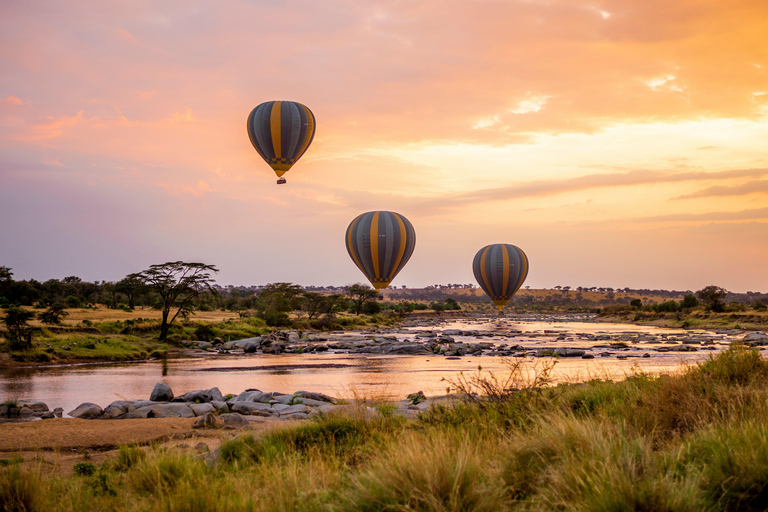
(418, 320)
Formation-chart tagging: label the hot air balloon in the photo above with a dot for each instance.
(500, 269)
(380, 244)
(281, 131)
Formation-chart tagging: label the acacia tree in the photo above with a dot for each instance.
(712, 296)
(132, 286)
(360, 294)
(177, 285)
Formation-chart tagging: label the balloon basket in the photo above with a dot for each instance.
(281, 181)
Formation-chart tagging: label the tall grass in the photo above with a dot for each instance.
(695, 440)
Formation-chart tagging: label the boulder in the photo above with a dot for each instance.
(233, 421)
(293, 409)
(207, 420)
(202, 409)
(163, 410)
(34, 406)
(253, 408)
(86, 411)
(253, 395)
(120, 407)
(220, 406)
(200, 395)
(58, 412)
(161, 393)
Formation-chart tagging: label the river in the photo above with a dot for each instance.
(375, 376)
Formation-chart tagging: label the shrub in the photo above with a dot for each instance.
(84, 469)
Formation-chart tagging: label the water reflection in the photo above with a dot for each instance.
(341, 374)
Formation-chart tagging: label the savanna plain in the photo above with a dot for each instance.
(693, 439)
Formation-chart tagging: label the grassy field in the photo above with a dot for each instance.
(693, 441)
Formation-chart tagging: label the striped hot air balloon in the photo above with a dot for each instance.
(281, 131)
(380, 244)
(500, 270)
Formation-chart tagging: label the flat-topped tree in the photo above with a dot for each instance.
(177, 285)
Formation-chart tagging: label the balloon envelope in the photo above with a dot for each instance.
(380, 244)
(281, 131)
(500, 270)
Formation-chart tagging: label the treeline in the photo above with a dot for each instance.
(272, 302)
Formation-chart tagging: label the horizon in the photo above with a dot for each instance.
(615, 142)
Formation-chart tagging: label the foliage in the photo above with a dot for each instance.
(54, 314)
(177, 284)
(361, 294)
(712, 297)
(19, 331)
(689, 301)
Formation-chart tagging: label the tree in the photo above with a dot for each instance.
(689, 301)
(53, 314)
(360, 294)
(177, 285)
(313, 303)
(19, 332)
(132, 286)
(712, 297)
(6, 278)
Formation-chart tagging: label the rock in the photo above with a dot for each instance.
(253, 395)
(569, 352)
(315, 396)
(220, 406)
(200, 395)
(206, 421)
(253, 408)
(201, 447)
(250, 347)
(120, 407)
(233, 421)
(161, 393)
(163, 410)
(86, 411)
(25, 411)
(204, 345)
(34, 406)
(293, 409)
(58, 412)
(294, 416)
(47, 415)
(587, 356)
(202, 409)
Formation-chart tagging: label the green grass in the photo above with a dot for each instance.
(693, 441)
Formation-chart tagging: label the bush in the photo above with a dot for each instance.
(205, 332)
(689, 301)
(371, 308)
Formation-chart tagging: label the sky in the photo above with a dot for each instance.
(619, 143)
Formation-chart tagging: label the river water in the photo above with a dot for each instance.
(618, 351)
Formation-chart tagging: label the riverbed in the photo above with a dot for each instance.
(617, 350)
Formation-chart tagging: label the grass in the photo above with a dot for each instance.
(696, 440)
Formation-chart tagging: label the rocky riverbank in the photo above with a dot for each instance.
(214, 409)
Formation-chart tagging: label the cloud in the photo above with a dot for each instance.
(751, 187)
(741, 215)
(592, 181)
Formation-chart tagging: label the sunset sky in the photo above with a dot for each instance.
(618, 143)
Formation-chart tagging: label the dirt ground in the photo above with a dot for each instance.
(56, 445)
